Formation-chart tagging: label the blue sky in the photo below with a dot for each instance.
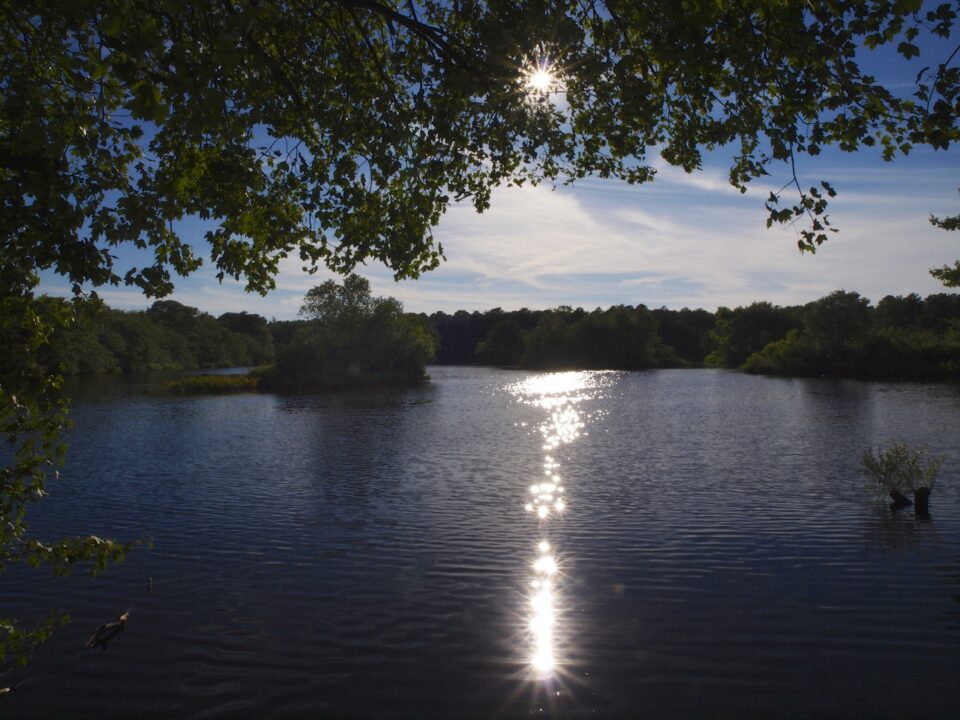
(680, 241)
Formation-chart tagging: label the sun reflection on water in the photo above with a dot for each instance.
(558, 394)
(542, 617)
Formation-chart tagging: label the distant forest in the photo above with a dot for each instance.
(842, 334)
(168, 336)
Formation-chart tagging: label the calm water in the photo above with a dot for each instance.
(672, 544)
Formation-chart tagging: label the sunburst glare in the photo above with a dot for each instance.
(540, 77)
(540, 80)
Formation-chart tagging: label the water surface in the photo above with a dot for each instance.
(668, 544)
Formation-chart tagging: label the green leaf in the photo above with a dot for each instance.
(112, 25)
(908, 50)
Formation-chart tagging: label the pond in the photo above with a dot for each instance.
(664, 544)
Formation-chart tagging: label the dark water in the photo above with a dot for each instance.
(708, 551)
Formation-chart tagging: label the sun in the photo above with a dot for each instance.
(540, 77)
(540, 80)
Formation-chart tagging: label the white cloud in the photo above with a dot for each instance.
(604, 243)
(684, 240)
(706, 180)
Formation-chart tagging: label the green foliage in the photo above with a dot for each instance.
(249, 338)
(903, 338)
(503, 345)
(32, 419)
(903, 353)
(951, 222)
(201, 341)
(550, 343)
(333, 303)
(118, 119)
(949, 276)
(686, 331)
(17, 644)
(940, 311)
(212, 384)
(351, 339)
(282, 332)
(53, 337)
(168, 336)
(620, 337)
(743, 331)
(602, 338)
(897, 311)
(461, 333)
(832, 322)
(901, 469)
(788, 356)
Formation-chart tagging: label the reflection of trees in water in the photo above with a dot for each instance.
(900, 532)
(351, 449)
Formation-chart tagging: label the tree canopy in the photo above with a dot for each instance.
(339, 131)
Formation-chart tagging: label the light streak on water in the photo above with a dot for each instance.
(559, 394)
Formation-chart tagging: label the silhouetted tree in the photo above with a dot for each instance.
(834, 323)
(940, 311)
(743, 331)
(351, 339)
(686, 331)
(503, 344)
(899, 311)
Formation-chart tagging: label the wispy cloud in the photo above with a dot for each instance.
(683, 240)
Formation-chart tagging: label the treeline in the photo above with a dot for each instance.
(167, 336)
(620, 337)
(902, 338)
(842, 334)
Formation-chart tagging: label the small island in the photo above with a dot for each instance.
(351, 339)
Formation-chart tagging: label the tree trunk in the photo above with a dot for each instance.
(921, 499)
(899, 501)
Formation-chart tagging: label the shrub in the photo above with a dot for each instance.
(900, 469)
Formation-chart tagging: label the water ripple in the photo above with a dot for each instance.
(716, 553)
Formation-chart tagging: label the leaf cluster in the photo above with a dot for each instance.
(340, 132)
(33, 417)
(17, 644)
(949, 276)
